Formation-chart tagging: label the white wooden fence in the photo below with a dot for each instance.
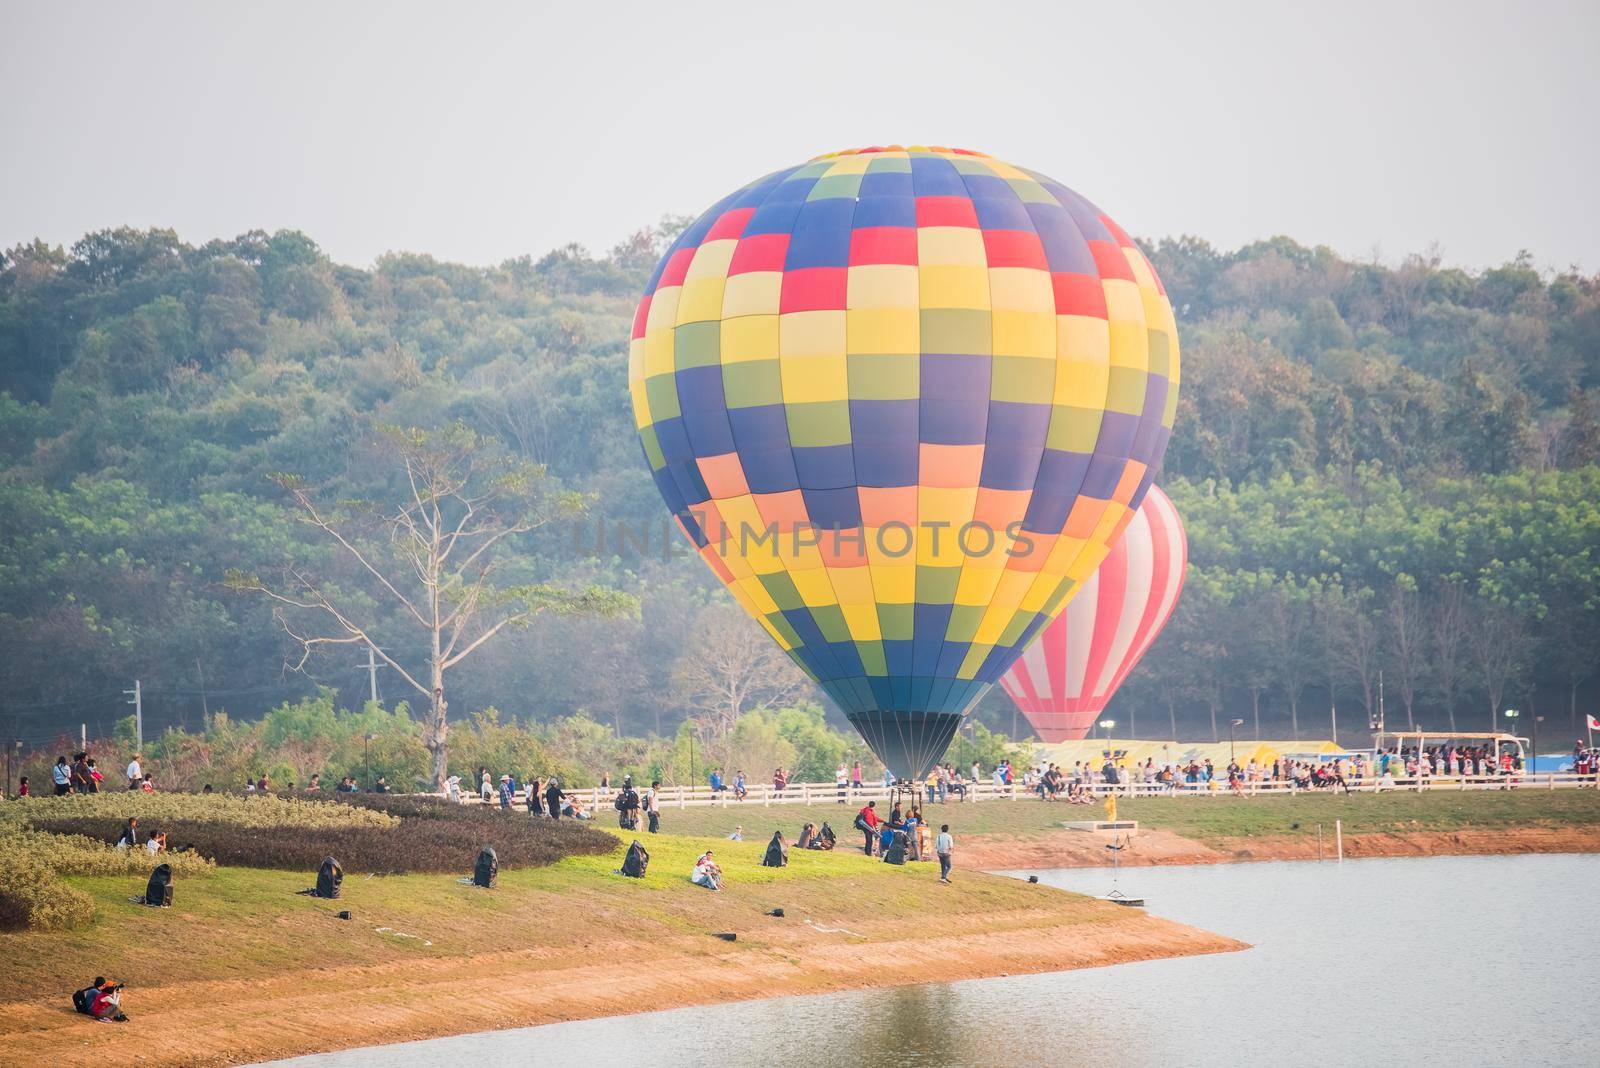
(597, 801)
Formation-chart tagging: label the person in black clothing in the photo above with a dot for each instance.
(534, 788)
(82, 779)
(628, 806)
(552, 799)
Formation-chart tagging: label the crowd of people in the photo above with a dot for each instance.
(82, 775)
(904, 835)
(1394, 768)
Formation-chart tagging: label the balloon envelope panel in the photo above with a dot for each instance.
(901, 400)
(1063, 681)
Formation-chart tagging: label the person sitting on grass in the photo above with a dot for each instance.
(104, 1001)
(706, 873)
(738, 834)
(808, 834)
(574, 809)
(156, 843)
(825, 838)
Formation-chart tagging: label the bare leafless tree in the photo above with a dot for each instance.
(429, 558)
(1404, 646)
(1448, 611)
(518, 404)
(1291, 640)
(1351, 637)
(731, 666)
(1499, 637)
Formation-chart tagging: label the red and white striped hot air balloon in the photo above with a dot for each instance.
(1064, 680)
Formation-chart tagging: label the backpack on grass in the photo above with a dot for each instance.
(636, 863)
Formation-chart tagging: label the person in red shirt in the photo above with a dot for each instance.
(868, 822)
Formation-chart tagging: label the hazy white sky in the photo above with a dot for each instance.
(478, 131)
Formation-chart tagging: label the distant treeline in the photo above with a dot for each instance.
(1381, 469)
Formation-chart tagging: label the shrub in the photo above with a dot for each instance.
(31, 864)
(75, 854)
(34, 897)
(162, 809)
(429, 836)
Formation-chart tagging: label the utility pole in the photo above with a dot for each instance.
(1333, 713)
(372, 667)
(1381, 723)
(136, 699)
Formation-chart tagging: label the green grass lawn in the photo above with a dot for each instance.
(239, 923)
(1201, 818)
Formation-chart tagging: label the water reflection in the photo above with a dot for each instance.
(1480, 958)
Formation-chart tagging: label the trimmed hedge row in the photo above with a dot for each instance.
(430, 836)
(239, 810)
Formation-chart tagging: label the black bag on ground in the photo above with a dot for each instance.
(83, 1000)
(636, 862)
(896, 853)
(159, 890)
(329, 878)
(487, 868)
(825, 837)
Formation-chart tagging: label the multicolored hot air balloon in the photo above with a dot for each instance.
(902, 400)
(1063, 681)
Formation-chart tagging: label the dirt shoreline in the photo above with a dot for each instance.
(1077, 849)
(237, 1022)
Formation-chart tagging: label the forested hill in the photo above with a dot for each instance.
(1381, 468)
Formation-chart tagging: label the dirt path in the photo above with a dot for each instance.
(1076, 849)
(232, 1022)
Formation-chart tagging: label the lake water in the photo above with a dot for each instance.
(1459, 960)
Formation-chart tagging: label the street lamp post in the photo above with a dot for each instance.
(1232, 724)
(1106, 725)
(1511, 729)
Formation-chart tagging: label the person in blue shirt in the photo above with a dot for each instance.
(716, 782)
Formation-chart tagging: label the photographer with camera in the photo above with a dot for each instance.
(102, 1000)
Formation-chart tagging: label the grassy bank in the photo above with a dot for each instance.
(1203, 819)
(240, 968)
